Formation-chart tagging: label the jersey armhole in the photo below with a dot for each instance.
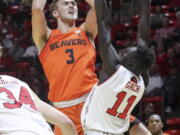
(53, 33)
(91, 42)
(118, 68)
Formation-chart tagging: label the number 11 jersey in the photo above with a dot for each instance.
(109, 105)
(68, 61)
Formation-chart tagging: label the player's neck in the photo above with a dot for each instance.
(133, 70)
(65, 27)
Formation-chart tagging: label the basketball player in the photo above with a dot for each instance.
(155, 125)
(122, 81)
(67, 55)
(23, 113)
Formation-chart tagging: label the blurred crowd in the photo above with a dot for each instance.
(20, 57)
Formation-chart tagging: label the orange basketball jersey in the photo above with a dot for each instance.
(68, 61)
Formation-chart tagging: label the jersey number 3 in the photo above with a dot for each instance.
(24, 98)
(120, 100)
(71, 56)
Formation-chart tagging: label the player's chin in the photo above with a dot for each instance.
(155, 130)
(72, 19)
(72, 16)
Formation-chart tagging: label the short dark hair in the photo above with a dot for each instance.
(146, 56)
(155, 114)
(53, 6)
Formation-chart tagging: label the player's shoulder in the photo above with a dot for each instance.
(10, 79)
(121, 68)
(54, 33)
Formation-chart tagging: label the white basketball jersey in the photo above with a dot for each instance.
(18, 112)
(109, 105)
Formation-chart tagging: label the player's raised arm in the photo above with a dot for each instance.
(55, 117)
(90, 24)
(144, 31)
(144, 24)
(108, 54)
(40, 31)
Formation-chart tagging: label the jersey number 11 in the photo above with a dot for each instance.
(120, 99)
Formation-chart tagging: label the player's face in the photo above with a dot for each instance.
(67, 10)
(155, 124)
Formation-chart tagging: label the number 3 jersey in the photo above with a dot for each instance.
(18, 111)
(109, 104)
(68, 61)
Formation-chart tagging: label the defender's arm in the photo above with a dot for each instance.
(55, 117)
(107, 52)
(144, 31)
(144, 24)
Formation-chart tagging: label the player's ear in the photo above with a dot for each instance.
(162, 125)
(55, 14)
(1, 50)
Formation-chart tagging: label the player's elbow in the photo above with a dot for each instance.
(36, 10)
(105, 38)
(37, 6)
(68, 128)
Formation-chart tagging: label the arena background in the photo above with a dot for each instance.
(162, 96)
